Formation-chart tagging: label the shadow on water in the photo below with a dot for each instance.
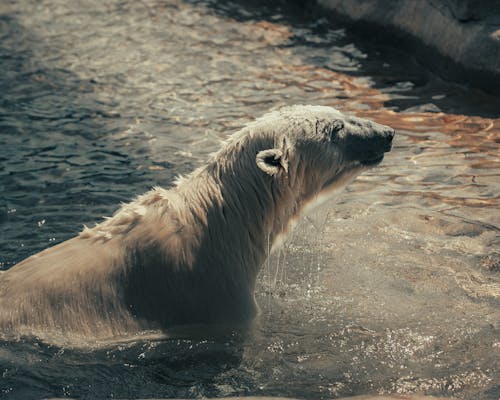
(337, 45)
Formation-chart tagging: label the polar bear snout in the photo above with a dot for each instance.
(382, 142)
(368, 146)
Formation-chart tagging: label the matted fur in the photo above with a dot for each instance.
(191, 254)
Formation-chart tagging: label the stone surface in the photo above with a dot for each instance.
(465, 32)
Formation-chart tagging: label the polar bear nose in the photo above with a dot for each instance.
(390, 134)
(380, 141)
(387, 136)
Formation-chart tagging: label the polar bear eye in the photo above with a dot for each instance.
(335, 128)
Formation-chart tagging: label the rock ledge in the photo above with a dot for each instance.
(466, 33)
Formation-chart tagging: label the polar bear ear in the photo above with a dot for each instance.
(272, 161)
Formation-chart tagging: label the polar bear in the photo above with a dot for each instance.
(191, 254)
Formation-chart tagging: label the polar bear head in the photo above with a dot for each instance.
(317, 149)
(295, 158)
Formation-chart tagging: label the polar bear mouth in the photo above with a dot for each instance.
(372, 161)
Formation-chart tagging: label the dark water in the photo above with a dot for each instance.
(393, 288)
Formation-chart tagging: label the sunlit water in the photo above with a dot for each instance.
(392, 288)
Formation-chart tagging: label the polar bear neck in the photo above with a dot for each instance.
(244, 209)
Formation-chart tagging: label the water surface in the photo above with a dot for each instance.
(393, 287)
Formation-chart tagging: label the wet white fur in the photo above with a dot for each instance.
(189, 254)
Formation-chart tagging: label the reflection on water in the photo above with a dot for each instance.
(392, 288)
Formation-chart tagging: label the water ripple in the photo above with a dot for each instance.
(394, 287)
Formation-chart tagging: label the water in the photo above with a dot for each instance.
(392, 288)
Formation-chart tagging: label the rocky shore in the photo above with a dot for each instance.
(459, 39)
